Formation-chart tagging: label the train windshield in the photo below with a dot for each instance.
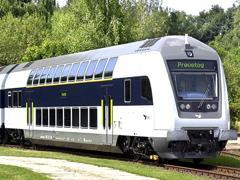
(194, 86)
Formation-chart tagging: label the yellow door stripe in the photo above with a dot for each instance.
(111, 113)
(102, 105)
(32, 113)
(27, 113)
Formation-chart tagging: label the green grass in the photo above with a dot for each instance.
(223, 161)
(130, 167)
(17, 173)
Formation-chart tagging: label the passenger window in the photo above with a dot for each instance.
(44, 75)
(93, 117)
(15, 99)
(90, 70)
(45, 117)
(81, 71)
(84, 117)
(59, 117)
(127, 91)
(67, 117)
(146, 90)
(110, 67)
(30, 78)
(51, 74)
(37, 76)
(9, 99)
(19, 98)
(100, 68)
(38, 117)
(52, 117)
(75, 117)
(65, 72)
(73, 72)
(58, 74)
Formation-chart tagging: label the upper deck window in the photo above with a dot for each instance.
(51, 74)
(37, 76)
(100, 68)
(30, 78)
(44, 75)
(58, 74)
(65, 72)
(110, 67)
(90, 70)
(73, 72)
(82, 70)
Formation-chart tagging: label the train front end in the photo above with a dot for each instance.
(201, 125)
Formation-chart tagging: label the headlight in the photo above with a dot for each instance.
(182, 106)
(214, 106)
(188, 106)
(208, 106)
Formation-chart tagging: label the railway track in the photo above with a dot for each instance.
(232, 154)
(213, 172)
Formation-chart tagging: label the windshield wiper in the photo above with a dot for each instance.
(203, 99)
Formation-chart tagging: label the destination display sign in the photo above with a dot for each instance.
(192, 65)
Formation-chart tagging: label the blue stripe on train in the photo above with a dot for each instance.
(85, 94)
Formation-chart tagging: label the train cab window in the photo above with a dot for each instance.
(9, 99)
(75, 117)
(73, 72)
(110, 67)
(38, 117)
(146, 91)
(37, 76)
(90, 70)
(93, 117)
(60, 117)
(30, 78)
(58, 74)
(81, 71)
(67, 117)
(84, 117)
(44, 75)
(52, 117)
(45, 117)
(100, 68)
(127, 91)
(65, 72)
(51, 74)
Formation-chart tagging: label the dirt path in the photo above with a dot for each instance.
(61, 169)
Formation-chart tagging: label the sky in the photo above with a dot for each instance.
(192, 7)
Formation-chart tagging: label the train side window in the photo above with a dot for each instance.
(90, 69)
(37, 76)
(38, 117)
(110, 67)
(9, 99)
(127, 91)
(45, 117)
(75, 117)
(58, 74)
(15, 99)
(146, 91)
(19, 99)
(65, 72)
(73, 72)
(52, 116)
(82, 70)
(93, 117)
(30, 77)
(51, 74)
(100, 68)
(44, 75)
(59, 117)
(67, 117)
(84, 117)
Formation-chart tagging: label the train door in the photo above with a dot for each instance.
(107, 115)
(30, 114)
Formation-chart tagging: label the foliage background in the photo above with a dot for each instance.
(36, 29)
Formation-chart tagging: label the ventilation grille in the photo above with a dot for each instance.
(28, 64)
(149, 43)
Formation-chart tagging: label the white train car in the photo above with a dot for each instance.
(164, 96)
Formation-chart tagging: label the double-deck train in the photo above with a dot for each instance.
(165, 96)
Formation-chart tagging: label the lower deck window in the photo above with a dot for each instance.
(67, 118)
(60, 117)
(38, 117)
(84, 117)
(45, 117)
(75, 117)
(93, 117)
(52, 117)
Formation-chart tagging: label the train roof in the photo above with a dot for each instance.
(166, 45)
